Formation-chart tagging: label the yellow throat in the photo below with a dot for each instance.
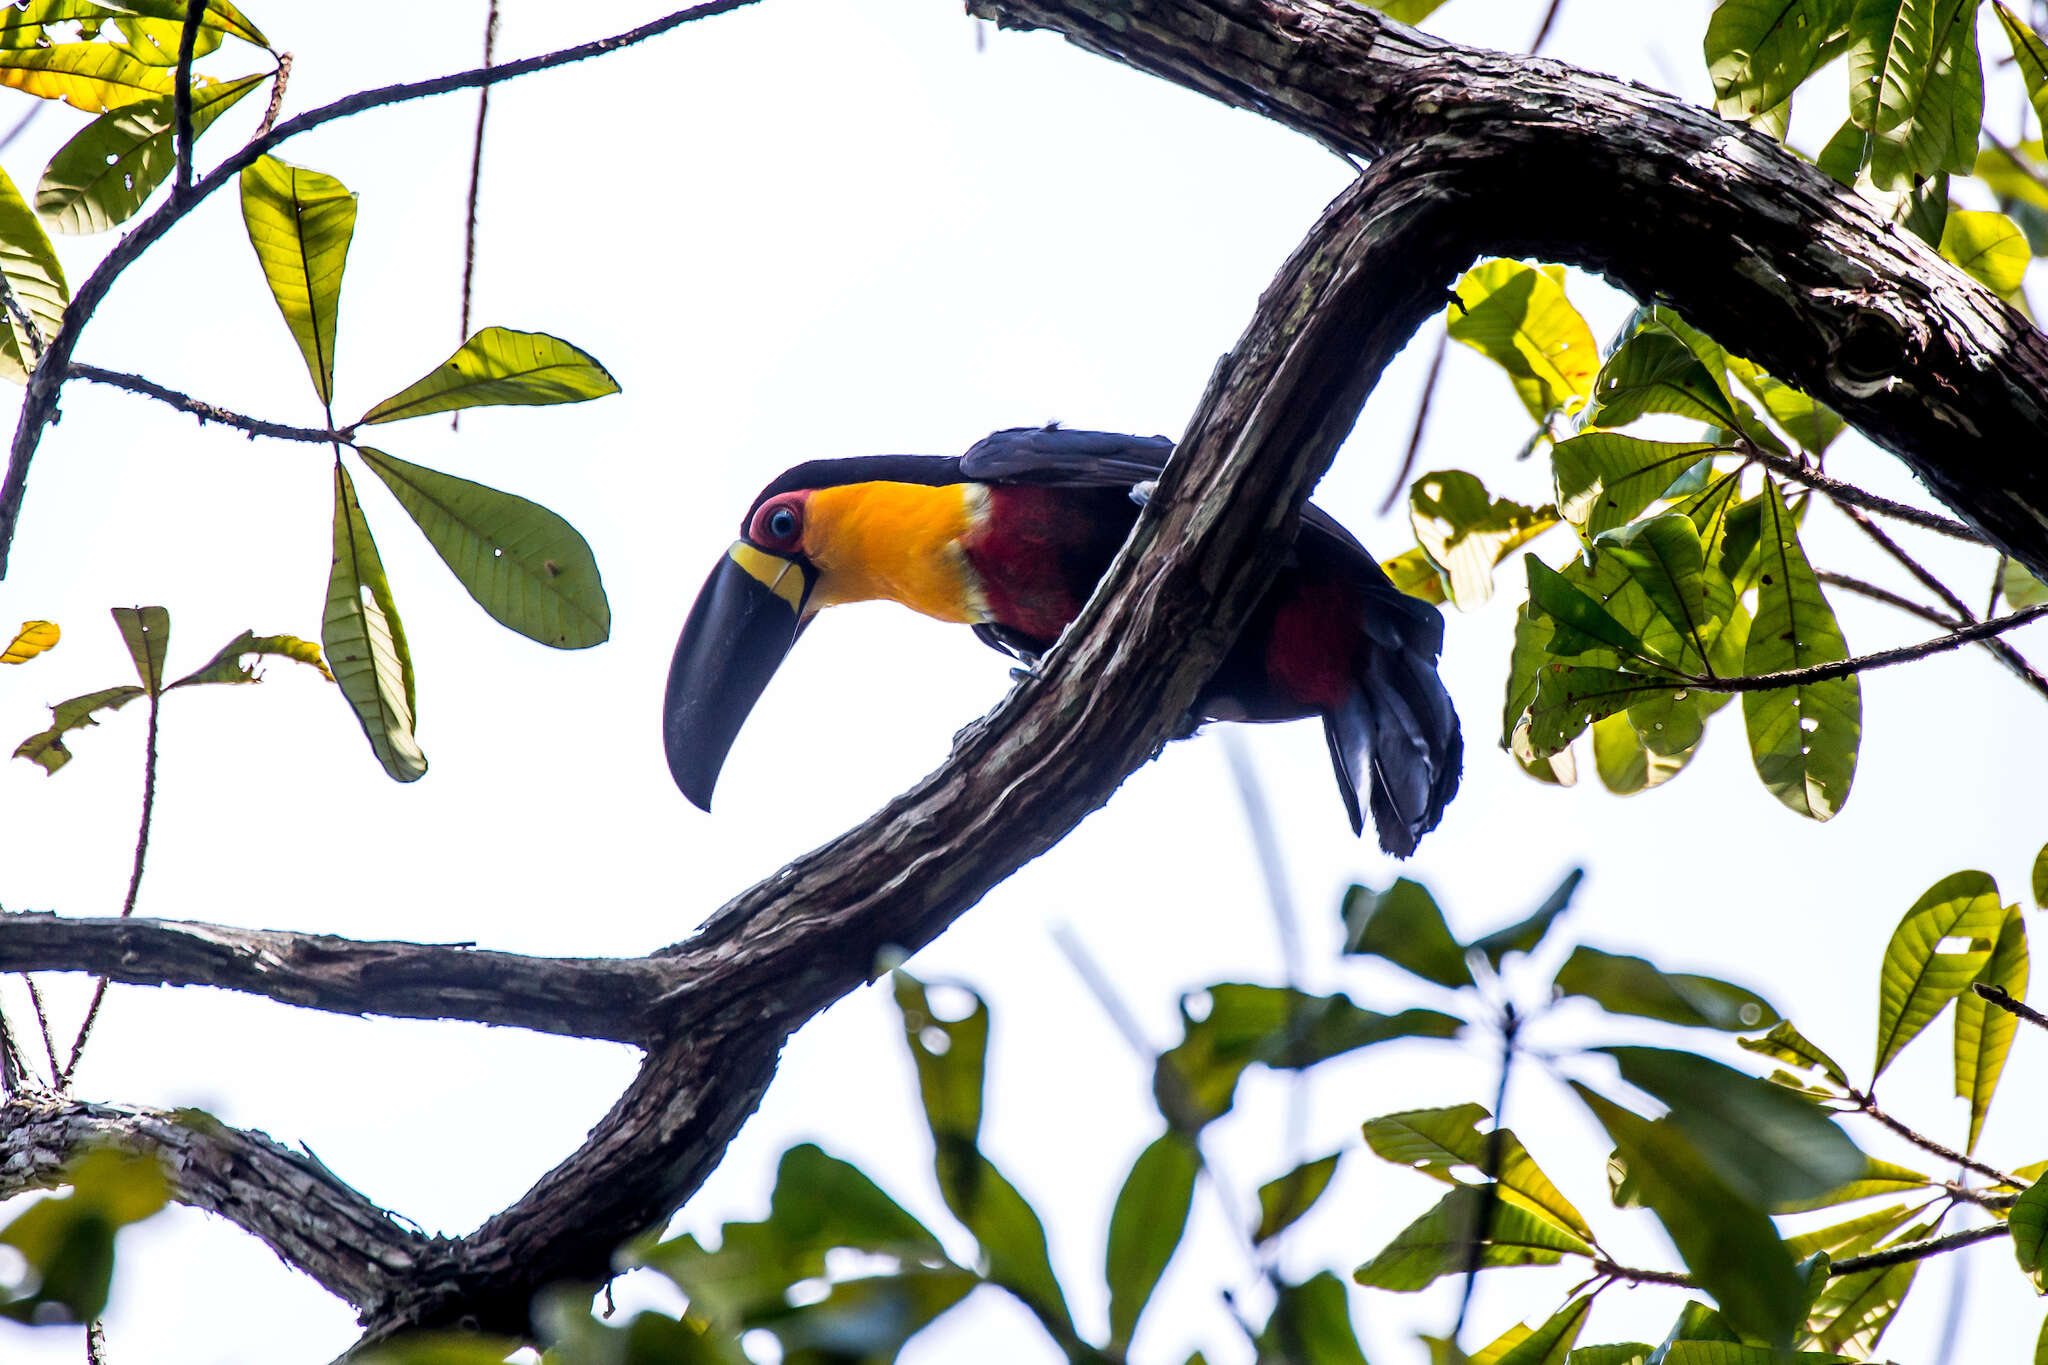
(899, 541)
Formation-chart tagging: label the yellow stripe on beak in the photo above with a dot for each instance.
(780, 576)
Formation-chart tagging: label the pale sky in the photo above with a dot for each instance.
(815, 229)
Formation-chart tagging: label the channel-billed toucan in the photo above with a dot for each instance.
(1010, 539)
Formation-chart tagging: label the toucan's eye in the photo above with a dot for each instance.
(782, 523)
(778, 525)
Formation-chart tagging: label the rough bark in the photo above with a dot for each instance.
(1668, 201)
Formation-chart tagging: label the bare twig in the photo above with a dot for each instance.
(1103, 989)
(181, 96)
(1850, 495)
(205, 411)
(2002, 998)
(1489, 1198)
(40, 402)
(1883, 658)
(2012, 660)
(1997, 583)
(277, 85)
(1908, 563)
(13, 1071)
(476, 176)
(1414, 451)
(1866, 1103)
(1543, 30)
(1848, 1265)
(21, 124)
(35, 1000)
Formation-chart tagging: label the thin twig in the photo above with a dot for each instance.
(13, 1071)
(21, 124)
(35, 1000)
(1997, 583)
(181, 96)
(40, 402)
(99, 989)
(1866, 1104)
(2013, 661)
(476, 175)
(1850, 495)
(36, 343)
(277, 85)
(1489, 1197)
(1971, 1195)
(1862, 663)
(1848, 1265)
(1436, 365)
(1543, 32)
(205, 411)
(95, 1343)
(2003, 999)
(1102, 988)
(1906, 561)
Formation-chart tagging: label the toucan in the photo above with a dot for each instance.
(1010, 539)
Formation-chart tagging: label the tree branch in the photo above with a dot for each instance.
(609, 998)
(1848, 1265)
(1862, 663)
(1866, 1103)
(205, 411)
(181, 97)
(2013, 661)
(2002, 998)
(1850, 495)
(39, 404)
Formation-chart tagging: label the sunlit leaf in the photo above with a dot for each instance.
(1984, 1032)
(1440, 1142)
(1413, 573)
(1441, 1241)
(2028, 1220)
(1404, 925)
(1813, 425)
(1741, 1353)
(1519, 318)
(227, 666)
(1523, 935)
(1804, 738)
(1771, 1145)
(2018, 586)
(1853, 1310)
(1283, 1201)
(1664, 556)
(1657, 372)
(1548, 1344)
(1311, 1325)
(1583, 624)
(2030, 54)
(523, 564)
(1851, 1238)
(1630, 985)
(1788, 1044)
(2040, 878)
(950, 1055)
(1606, 478)
(32, 639)
(1759, 51)
(1878, 1178)
(1915, 85)
(1917, 978)
(1465, 532)
(365, 640)
(441, 1348)
(147, 633)
(496, 366)
(1989, 247)
(1626, 766)
(37, 279)
(1406, 11)
(1729, 1244)
(1617, 1353)
(155, 42)
(1569, 698)
(301, 223)
(47, 747)
(108, 170)
(94, 77)
(1145, 1228)
(221, 16)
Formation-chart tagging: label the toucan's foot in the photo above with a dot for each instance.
(1141, 493)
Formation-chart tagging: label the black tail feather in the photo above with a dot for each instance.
(1397, 735)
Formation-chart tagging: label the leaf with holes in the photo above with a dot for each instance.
(1633, 986)
(523, 564)
(1582, 624)
(499, 366)
(1404, 925)
(1917, 978)
(1625, 764)
(227, 666)
(365, 640)
(1666, 559)
(1916, 86)
(110, 167)
(147, 633)
(94, 77)
(1606, 478)
(1989, 247)
(1519, 318)
(1437, 1142)
(1569, 698)
(1466, 533)
(1657, 372)
(1145, 1228)
(46, 748)
(1804, 737)
(1412, 572)
(1441, 1242)
(34, 637)
(301, 222)
(1759, 51)
(33, 272)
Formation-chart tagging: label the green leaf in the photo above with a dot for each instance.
(1915, 85)
(1441, 1241)
(1619, 1353)
(155, 42)
(221, 16)
(1917, 980)
(1008, 1230)
(1436, 1142)
(1414, 573)
(1406, 11)
(2018, 586)
(37, 278)
(147, 633)
(1853, 1310)
(1145, 1228)
(1788, 1044)
(1657, 372)
(1519, 318)
(1850, 1238)
(2040, 878)
(524, 565)
(1583, 624)
(1311, 1325)
(1878, 1178)
(1403, 925)
(1549, 1344)
(1728, 1243)
(1665, 558)
(870, 1318)
(1737, 1353)
(2030, 54)
(1804, 738)
(68, 1239)
(1606, 478)
(1771, 1145)
(34, 637)
(107, 171)
(1625, 764)
(2028, 1220)
(227, 666)
(301, 223)
(498, 366)
(47, 747)
(1523, 935)
(1465, 533)
(1759, 51)
(441, 1348)
(1282, 1202)
(365, 640)
(1989, 247)
(1813, 425)
(1983, 1032)
(1196, 1081)
(951, 1056)
(94, 77)
(1630, 985)
(1570, 697)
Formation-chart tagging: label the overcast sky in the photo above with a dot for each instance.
(820, 229)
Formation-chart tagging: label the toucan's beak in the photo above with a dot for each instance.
(745, 620)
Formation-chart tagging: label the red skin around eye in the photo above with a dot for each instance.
(759, 533)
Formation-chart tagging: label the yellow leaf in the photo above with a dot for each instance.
(33, 639)
(1989, 247)
(94, 77)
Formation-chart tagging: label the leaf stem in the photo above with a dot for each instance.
(1489, 1198)
(181, 96)
(1884, 658)
(1848, 1265)
(476, 176)
(2000, 997)
(205, 411)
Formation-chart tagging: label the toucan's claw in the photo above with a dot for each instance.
(1141, 493)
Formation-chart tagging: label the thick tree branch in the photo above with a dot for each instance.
(1749, 242)
(39, 405)
(608, 998)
